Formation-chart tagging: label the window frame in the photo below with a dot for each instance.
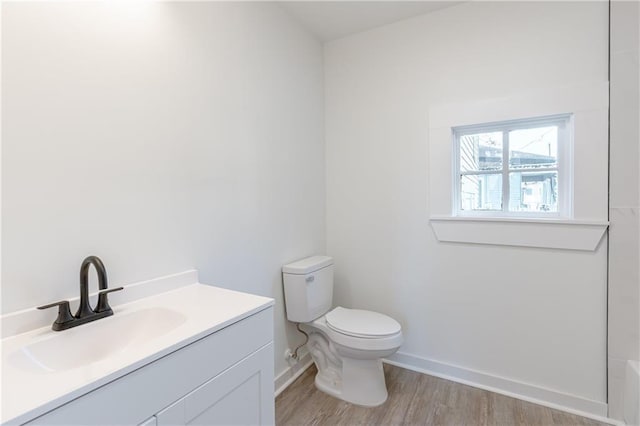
(564, 165)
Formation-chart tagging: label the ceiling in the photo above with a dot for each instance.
(329, 20)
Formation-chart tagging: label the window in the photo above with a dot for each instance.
(513, 168)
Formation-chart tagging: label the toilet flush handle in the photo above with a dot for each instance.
(310, 279)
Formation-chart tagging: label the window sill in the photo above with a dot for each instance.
(553, 233)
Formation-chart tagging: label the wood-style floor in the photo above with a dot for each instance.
(414, 399)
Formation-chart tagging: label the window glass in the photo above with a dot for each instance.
(481, 192)
(533, 148)
(481, 151)
(529, 182)
(533, 191)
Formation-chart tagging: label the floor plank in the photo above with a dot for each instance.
(415, 399)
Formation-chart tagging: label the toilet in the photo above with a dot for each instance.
(347, 345)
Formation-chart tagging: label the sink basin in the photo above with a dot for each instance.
(96, 341)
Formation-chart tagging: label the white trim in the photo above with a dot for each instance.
(290, 374)
(538, 395)
(520, 232)
(588, 103)
(519, 219)
(564, 125)
(540, 102)
(497, 172)
(631, 393)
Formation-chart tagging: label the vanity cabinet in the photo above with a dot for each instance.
(224, 378)
(234, 397)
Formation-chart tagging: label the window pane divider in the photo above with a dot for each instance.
(505, 170)
(480, 172)
(497, 172)
(541, 169)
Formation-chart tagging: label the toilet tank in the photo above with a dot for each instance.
(308, 288)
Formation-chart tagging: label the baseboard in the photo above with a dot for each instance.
(631, 393)
(550, 398)
(288, 376)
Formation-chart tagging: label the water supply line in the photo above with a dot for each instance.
(294, 355)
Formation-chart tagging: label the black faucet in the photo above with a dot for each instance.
(85, 313)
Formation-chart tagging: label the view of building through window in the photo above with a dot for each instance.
(527, 158)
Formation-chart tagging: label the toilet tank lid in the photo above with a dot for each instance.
(307, 265)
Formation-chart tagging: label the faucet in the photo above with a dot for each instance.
(85, 313)
(84, 309)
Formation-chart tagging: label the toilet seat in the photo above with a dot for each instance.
(361, 323)
(381, 343)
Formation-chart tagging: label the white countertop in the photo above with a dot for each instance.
(201, 309)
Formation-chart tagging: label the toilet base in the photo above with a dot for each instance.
(362, 382)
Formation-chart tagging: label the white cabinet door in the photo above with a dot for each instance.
(240, 395)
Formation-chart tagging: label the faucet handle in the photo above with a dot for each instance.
(103, 303)
(64, 314)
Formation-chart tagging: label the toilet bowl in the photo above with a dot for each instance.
(349, 362)
(347, 345)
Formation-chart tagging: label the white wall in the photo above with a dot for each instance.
(624, 206)
(530, 321)
(160, 137)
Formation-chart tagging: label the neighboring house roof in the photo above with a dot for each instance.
(489, 155)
